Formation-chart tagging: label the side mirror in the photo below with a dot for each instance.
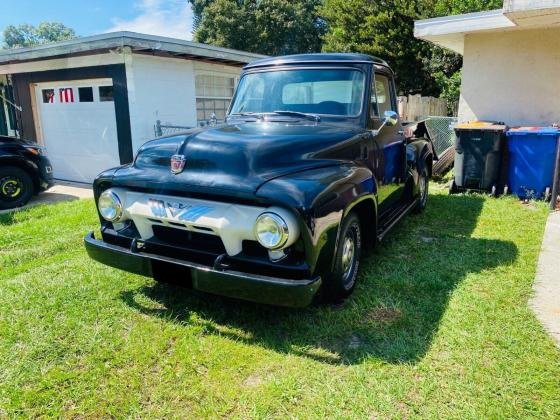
(391, 118)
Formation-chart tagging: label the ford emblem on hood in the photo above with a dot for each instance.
(178, 163)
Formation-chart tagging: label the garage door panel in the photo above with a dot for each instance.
(81, 137)
(74, 171)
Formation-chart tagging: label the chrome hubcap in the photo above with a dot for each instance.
(348, 251)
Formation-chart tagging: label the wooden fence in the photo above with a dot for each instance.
(417, 107)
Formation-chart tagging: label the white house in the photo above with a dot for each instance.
(93, 101)
(511, 69)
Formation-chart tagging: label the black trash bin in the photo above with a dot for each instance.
(479, 151)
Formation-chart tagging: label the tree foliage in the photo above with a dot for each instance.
(384, 29)
(28, 35)
(455, 7)
(272, 27)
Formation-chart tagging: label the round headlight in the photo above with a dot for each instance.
(110, 206)
(271, 231)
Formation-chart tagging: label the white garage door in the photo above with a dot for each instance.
(78, 126)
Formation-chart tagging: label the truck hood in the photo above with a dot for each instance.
(13, 140)
(241, 157)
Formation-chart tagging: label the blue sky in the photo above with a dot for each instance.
(88, 17)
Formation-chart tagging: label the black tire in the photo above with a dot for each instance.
(16, 187)
(423, 187)
(341, 282)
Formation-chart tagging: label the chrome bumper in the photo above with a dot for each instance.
(252, 287)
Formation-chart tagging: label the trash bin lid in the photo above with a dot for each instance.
(538, 131)
(481, 125)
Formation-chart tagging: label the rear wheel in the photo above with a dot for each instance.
(16, 187)
(341, 282)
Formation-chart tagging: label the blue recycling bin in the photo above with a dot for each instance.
(532, 156)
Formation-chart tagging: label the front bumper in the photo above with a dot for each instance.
(252, 287)
(45, 173)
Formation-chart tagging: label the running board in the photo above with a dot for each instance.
(394, 220)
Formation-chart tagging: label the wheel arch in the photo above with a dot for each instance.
(366, 210)
(25, 166)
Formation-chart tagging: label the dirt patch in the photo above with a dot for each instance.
(253, 381)
(383, 315)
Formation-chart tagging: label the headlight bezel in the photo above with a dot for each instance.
(280, 223)
(116, 201)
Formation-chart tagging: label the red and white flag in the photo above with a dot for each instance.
(66, 95)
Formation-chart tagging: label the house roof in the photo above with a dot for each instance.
(449, 31)
(141, 43)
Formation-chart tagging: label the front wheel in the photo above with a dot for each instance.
(341, 282)
(16, 187)
(423, 184)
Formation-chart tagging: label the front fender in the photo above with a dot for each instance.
(419, 156)
(321, 197)
(420, 153)
(17, 160)
(103, 181)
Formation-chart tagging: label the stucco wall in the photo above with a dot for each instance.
(163, 89)
(512, 77)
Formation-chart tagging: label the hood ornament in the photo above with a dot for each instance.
(178, 163)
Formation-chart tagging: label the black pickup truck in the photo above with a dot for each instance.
(24, 171)
(311, 167)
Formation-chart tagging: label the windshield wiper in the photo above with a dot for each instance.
(262, 115)
(257, 115)
(312, 117)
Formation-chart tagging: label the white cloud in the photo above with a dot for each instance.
(171, 18)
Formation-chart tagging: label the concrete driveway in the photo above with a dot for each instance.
(546, 301)
(61, 191)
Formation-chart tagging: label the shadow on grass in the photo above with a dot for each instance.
(7, 217)
(404, 288)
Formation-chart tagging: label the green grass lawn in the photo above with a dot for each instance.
(438, 327)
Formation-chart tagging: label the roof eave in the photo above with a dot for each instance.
(138, 42)
(449, 31)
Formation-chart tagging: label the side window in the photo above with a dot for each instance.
(381, 96)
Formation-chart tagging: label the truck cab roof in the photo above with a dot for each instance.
(317, 58)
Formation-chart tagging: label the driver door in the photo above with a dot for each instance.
(390, 161)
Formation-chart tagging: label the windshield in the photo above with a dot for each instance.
(316, 91)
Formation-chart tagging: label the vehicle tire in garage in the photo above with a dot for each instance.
(16, 187)
(342, 280)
